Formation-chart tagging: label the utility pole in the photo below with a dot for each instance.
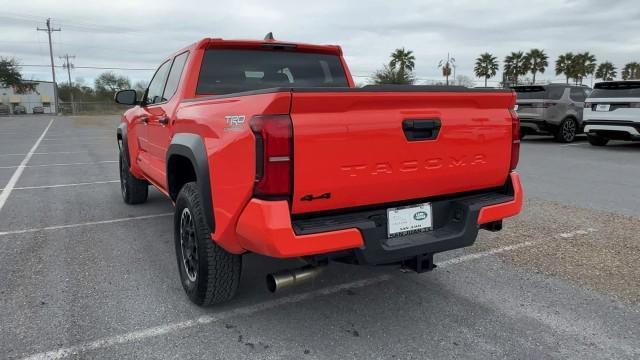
(67, 65)
(49, 30)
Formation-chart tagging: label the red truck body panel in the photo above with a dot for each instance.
(353, 146)
(346, 142)
(231, 153)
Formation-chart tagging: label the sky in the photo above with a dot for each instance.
(140, 34)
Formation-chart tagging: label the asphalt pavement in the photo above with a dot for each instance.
(83, 275)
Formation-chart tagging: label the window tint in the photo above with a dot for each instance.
(577, 95)
(174, 76)
(555, 92)
(156, 87)
(616, 90)
(536, 92)
(227, 71)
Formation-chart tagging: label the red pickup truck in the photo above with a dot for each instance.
(268, 147)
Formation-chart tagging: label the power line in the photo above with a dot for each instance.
(49, 30)
(93, 67)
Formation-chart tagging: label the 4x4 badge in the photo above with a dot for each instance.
(310, 197)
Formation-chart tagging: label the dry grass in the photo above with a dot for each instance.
(606, 258)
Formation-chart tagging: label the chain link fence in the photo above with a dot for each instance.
(91, 107)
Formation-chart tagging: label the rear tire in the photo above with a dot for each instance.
(596, 140)
(208, 273)
(134, 190)
(567, 130)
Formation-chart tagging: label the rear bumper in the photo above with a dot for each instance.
(616, 130)
(266, 227)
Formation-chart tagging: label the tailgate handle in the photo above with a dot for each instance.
(421, 129)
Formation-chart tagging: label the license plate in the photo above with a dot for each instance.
(407, 220)
(515, 107)
(603, 107)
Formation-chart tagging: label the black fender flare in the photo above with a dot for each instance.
(191, 146)
(121, 137)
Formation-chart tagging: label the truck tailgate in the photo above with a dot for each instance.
(354, 148)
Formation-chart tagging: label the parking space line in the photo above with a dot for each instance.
(4, 195)
(202, 320)
(521, 245)
(469, 257)
(58, 227)
(56, 153)
(143, 334)
(574, 144)
(68, 164)
(78, 137)
(64, 185)
(85, 143)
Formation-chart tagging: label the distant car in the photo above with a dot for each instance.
(554, 109)
(38, 110)
(4, 109)
(19, 109)
(612, 112)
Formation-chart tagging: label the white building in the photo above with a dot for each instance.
(42, 96)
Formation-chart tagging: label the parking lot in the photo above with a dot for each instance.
(82, 275)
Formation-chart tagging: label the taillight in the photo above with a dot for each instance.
(515, 140)
(274, 155)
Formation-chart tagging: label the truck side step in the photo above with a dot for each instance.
(421, 263)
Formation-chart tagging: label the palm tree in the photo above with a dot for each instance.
(446, 65)
(564, 65)
(536, 61)
(631, 71)
(390, 76)
(403, 60)
(486, 67)
(584, 64)
(606, 71)
(515, 65)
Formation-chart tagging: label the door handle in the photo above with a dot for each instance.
(164, 120)
(421, 129)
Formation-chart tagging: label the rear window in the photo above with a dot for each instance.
(616, 90)
(539, 92)
(226, 71)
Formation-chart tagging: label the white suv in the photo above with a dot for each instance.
(612, 112)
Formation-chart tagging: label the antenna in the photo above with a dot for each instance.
(269, 37)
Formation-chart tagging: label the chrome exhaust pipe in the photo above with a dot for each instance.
(286, 278)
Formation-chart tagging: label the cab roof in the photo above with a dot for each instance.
(267, 44)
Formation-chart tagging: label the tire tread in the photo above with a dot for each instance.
(137, 190)
(222, 268)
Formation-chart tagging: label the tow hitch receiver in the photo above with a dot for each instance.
(421, 263)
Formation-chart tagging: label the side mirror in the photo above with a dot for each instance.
(127, 97)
